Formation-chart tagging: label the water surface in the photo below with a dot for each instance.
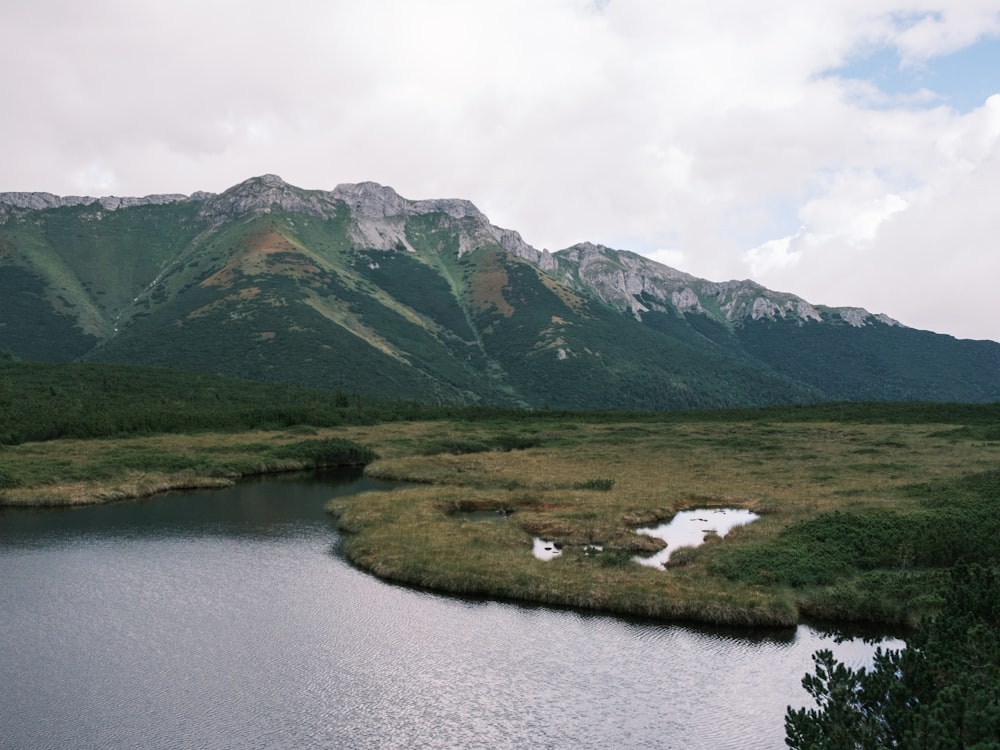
(228, 619)
(688, 528)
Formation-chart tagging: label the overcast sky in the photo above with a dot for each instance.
(847, 151)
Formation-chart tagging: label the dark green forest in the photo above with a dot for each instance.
(940, 692)
(46, 401)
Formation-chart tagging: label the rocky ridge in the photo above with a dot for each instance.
(640, 285)
(44, 201)
(379, 217)
(378, 212)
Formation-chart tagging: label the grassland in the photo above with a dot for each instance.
(857, 521)
(79, 472)
(862, 509)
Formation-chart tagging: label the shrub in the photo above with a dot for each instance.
(941, 691)
(820, 550)
(7, 479)
(595, 484)
(326, 452)
(454, 447)
(458, 446)
(615, 558)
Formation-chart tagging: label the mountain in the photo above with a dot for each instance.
(362, 290)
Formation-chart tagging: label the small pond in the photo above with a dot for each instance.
(230, 620)
(690, 527)
(545, 549)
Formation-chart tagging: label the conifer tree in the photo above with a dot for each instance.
(941, 692)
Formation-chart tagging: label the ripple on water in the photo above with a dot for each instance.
(219, 638)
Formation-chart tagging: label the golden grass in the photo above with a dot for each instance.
(80, 472)
(421, 535)
(785, 472)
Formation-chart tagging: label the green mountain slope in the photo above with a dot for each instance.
(361, 290)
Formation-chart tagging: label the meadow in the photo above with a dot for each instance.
(863, 508)
(858, 521)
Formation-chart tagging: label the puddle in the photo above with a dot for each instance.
(544, 550)
(689, 527)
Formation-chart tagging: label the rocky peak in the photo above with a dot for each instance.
(264, 194)
(380, 214)
(587, 254)
(369, 200)
(42, 201)
(636, 283)
(858, 317)
(627, 280)
(374, 201)
(15, 203)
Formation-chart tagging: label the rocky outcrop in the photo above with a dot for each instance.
(638, 284)
(263, 195)
(379, 214)
(739, 300)
(16, 203)
(858, 317)
(624, 279)
(379, 217)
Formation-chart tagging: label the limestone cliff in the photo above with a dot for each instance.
(378, 218)
(638, 284)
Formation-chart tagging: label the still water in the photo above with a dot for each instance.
(228, 619)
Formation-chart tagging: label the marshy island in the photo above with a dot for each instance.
(856, 511)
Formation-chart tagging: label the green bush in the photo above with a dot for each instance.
(602, 485)
(458, 446)
(941, 691)
(957, 523)
(513, 442)
(326, 452)
(615, 558)
(7, 479)
(821, 550)
(454, 447)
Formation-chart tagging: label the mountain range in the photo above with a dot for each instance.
(361, 290)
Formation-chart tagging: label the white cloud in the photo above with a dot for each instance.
(669, 257)
(774, 255)
(712, 129)
(942, 29)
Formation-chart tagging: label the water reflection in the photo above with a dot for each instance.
(261, 507)
(688, 528)
(545, 549)
(170, 623)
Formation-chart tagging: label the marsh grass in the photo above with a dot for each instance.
(858, 518)
(73, 472)
(846, 518)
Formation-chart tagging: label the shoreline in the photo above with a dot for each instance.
(140, 487)
(82, 494)
(820, 490)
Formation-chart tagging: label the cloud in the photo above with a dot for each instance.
(926, 256)
(728, 136)
(941, 29)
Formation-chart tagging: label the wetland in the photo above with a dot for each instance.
(230, 618)
(856, 518)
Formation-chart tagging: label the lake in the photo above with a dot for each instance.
(229, 619)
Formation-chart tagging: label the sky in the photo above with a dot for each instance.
(847, 151)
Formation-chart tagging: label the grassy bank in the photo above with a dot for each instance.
(858, 521)
(862, 511)
(77, 472)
